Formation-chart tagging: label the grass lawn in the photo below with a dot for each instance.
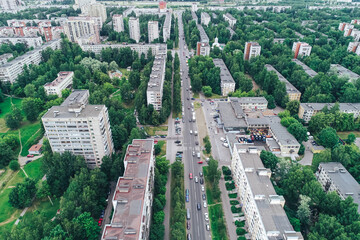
(124, 72)
(209, 192)
(197, 105)
(344, 135)
(33, 169)
(6, 105)
(45, 208)
(196, 95)
(162, 144)
(217, 222)
(6, 227)
(29, 134)
(152, 130)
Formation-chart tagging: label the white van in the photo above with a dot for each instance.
(222, 139)
(190, 132)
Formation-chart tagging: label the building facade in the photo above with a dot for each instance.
(205, 18)
(118, 23)
(262, 207)
(301, 49)
(227, 82)
(203, 49)
(78, 27)
(34, 42)
(167, 26)
(139, 48)
(230, 19)
(63, 80)
(252, 49)
(95, 10)
(133, 197)
(134, 29)
(344, 72)
(80, 128)
(153, 30)
(10, 5)
(307, 70)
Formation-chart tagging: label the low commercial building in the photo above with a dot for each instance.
(28, 41)
(344, 72)
(118, 22)
(311, 73)
(227, 82)
(205, 18)
(80, 128)
(11, 70)
(133, 197)
(155, 85)
(251, 103)
(301, 49)
(139, 48)
(307, 110)
(230, 19)
(252, 49)
(262, 207)
(35, 149)
(291, 91)
(334, 177)
(63, 80)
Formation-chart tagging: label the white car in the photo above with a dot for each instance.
(222, 139)
(202, 189)
(208, 227)
(190, 132)
(226, 145)
(205, 204)
(206, 217)
(196, 179)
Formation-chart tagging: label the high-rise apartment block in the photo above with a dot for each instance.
(227, 82)
(348, 30)
(205, 18)
(252, 49)
(343, 25)
(262, 207)
(80, 3)
(118, 22)
(95, 10)
(203, 49)
(10, 5)
(133, 197)
(301, 49)
(78, 27)
(80, 128)
(230, 19)
(355, 33)
(153, 30)
(155, 85)
(134, 28)
(355, 21)
(63, 80)
(354, 47)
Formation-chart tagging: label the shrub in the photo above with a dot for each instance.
(240, 231)
(14, 165)
(230, 186)
(241, 238)
(157, 148)
(232, 195)
(228, 178)
(239, 223)
(235, 209)
(226, 170)
(234, 202)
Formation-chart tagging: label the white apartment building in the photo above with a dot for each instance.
(80, 3)
(7, 32)
(4, 58)
(139, 48)
(203, 49)
(95, 10)
(348, 29)
(230, 19)
(133, 197)
(205, 18)
(344, 72)
(343, 25)
(227, 82)
(77, 27)
(252, 49)
(301, 49)
(134, 28)
(355, 34)
(11, 70)
(155, 85)
(79, 128)
(167, 26)
(10, 5)
(63, 80)
(262, 207)
(194, 7)
(352, 47)
(334, 177)
(34, 42)
(153, 30)
(118, 23)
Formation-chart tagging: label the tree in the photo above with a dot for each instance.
(22, 195)
(29, 90)
(157, 149)
(13, 119)
(14, 165)
(113, 66)
(351, 138)
(208, 147)
(207, 91)
(134, 79)
(31, 108)
(6, 154)
(328, 137)
(213, 172)
(287, 121)
(293, 107)
(304, 212)
(269, 159)
(298, 131)
(88, 227)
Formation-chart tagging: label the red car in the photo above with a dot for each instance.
(200, 162)
(100, 221)
(30, 155)
(190, 175)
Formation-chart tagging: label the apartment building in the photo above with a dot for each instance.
(139, 48)
(311, 73)
(63, 80)
(230, 19)
(252, 49)
(291, 91)
(118, 22)
(134, 28)
(194, 7)
(355, 33)
(203, 49)
(95, 10)
(34, 42)
(354, 47)
(167, 26)
(262, 207)
(344, 72)
(205, 18)
(10, 5)
(80, 3)
(348, 29)
(153, 30)
(5, 57)
(79, 128)
(77, 27)
(227, 82)
(334, 177)
(307, 110)
(155, 85)
(162, 7)
(133, 197)
(343, 25)
(11, 70)
(301, 49)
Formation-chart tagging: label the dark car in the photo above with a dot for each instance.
(28, 161)
(204, 196)
(198, 205)
(188, 225)
(200, 174)
(177, 141)
(196, 143)
(201, 181)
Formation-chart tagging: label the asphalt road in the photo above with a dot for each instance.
(197, 222)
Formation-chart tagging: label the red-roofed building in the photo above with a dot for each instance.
(35, 149)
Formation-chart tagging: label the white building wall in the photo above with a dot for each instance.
(153, 30)
(118, 23)
(134, 28)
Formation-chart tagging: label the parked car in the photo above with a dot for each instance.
(206, 217)
(196, 179)
(30, 155)
(200, 174)
(201, 181)
(207, 227)
(202, 188)
(28, 161)
(100, 221)
(205, 204)
(204, 196)
(188, 225)
(226, 145)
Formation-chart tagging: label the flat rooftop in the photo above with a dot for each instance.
(307, 70)
(203, 36)
(61, 77)
(225, 75)
(344, 107)
(157, 72)
(230, 16)
(130, 192)
(344, 72)
(255, 100)
(289, 87)
(345, 183)
(230, 117)
(281, 133)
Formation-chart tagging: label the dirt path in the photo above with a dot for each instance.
(6, 177)
(255, 86)
(10, 219)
